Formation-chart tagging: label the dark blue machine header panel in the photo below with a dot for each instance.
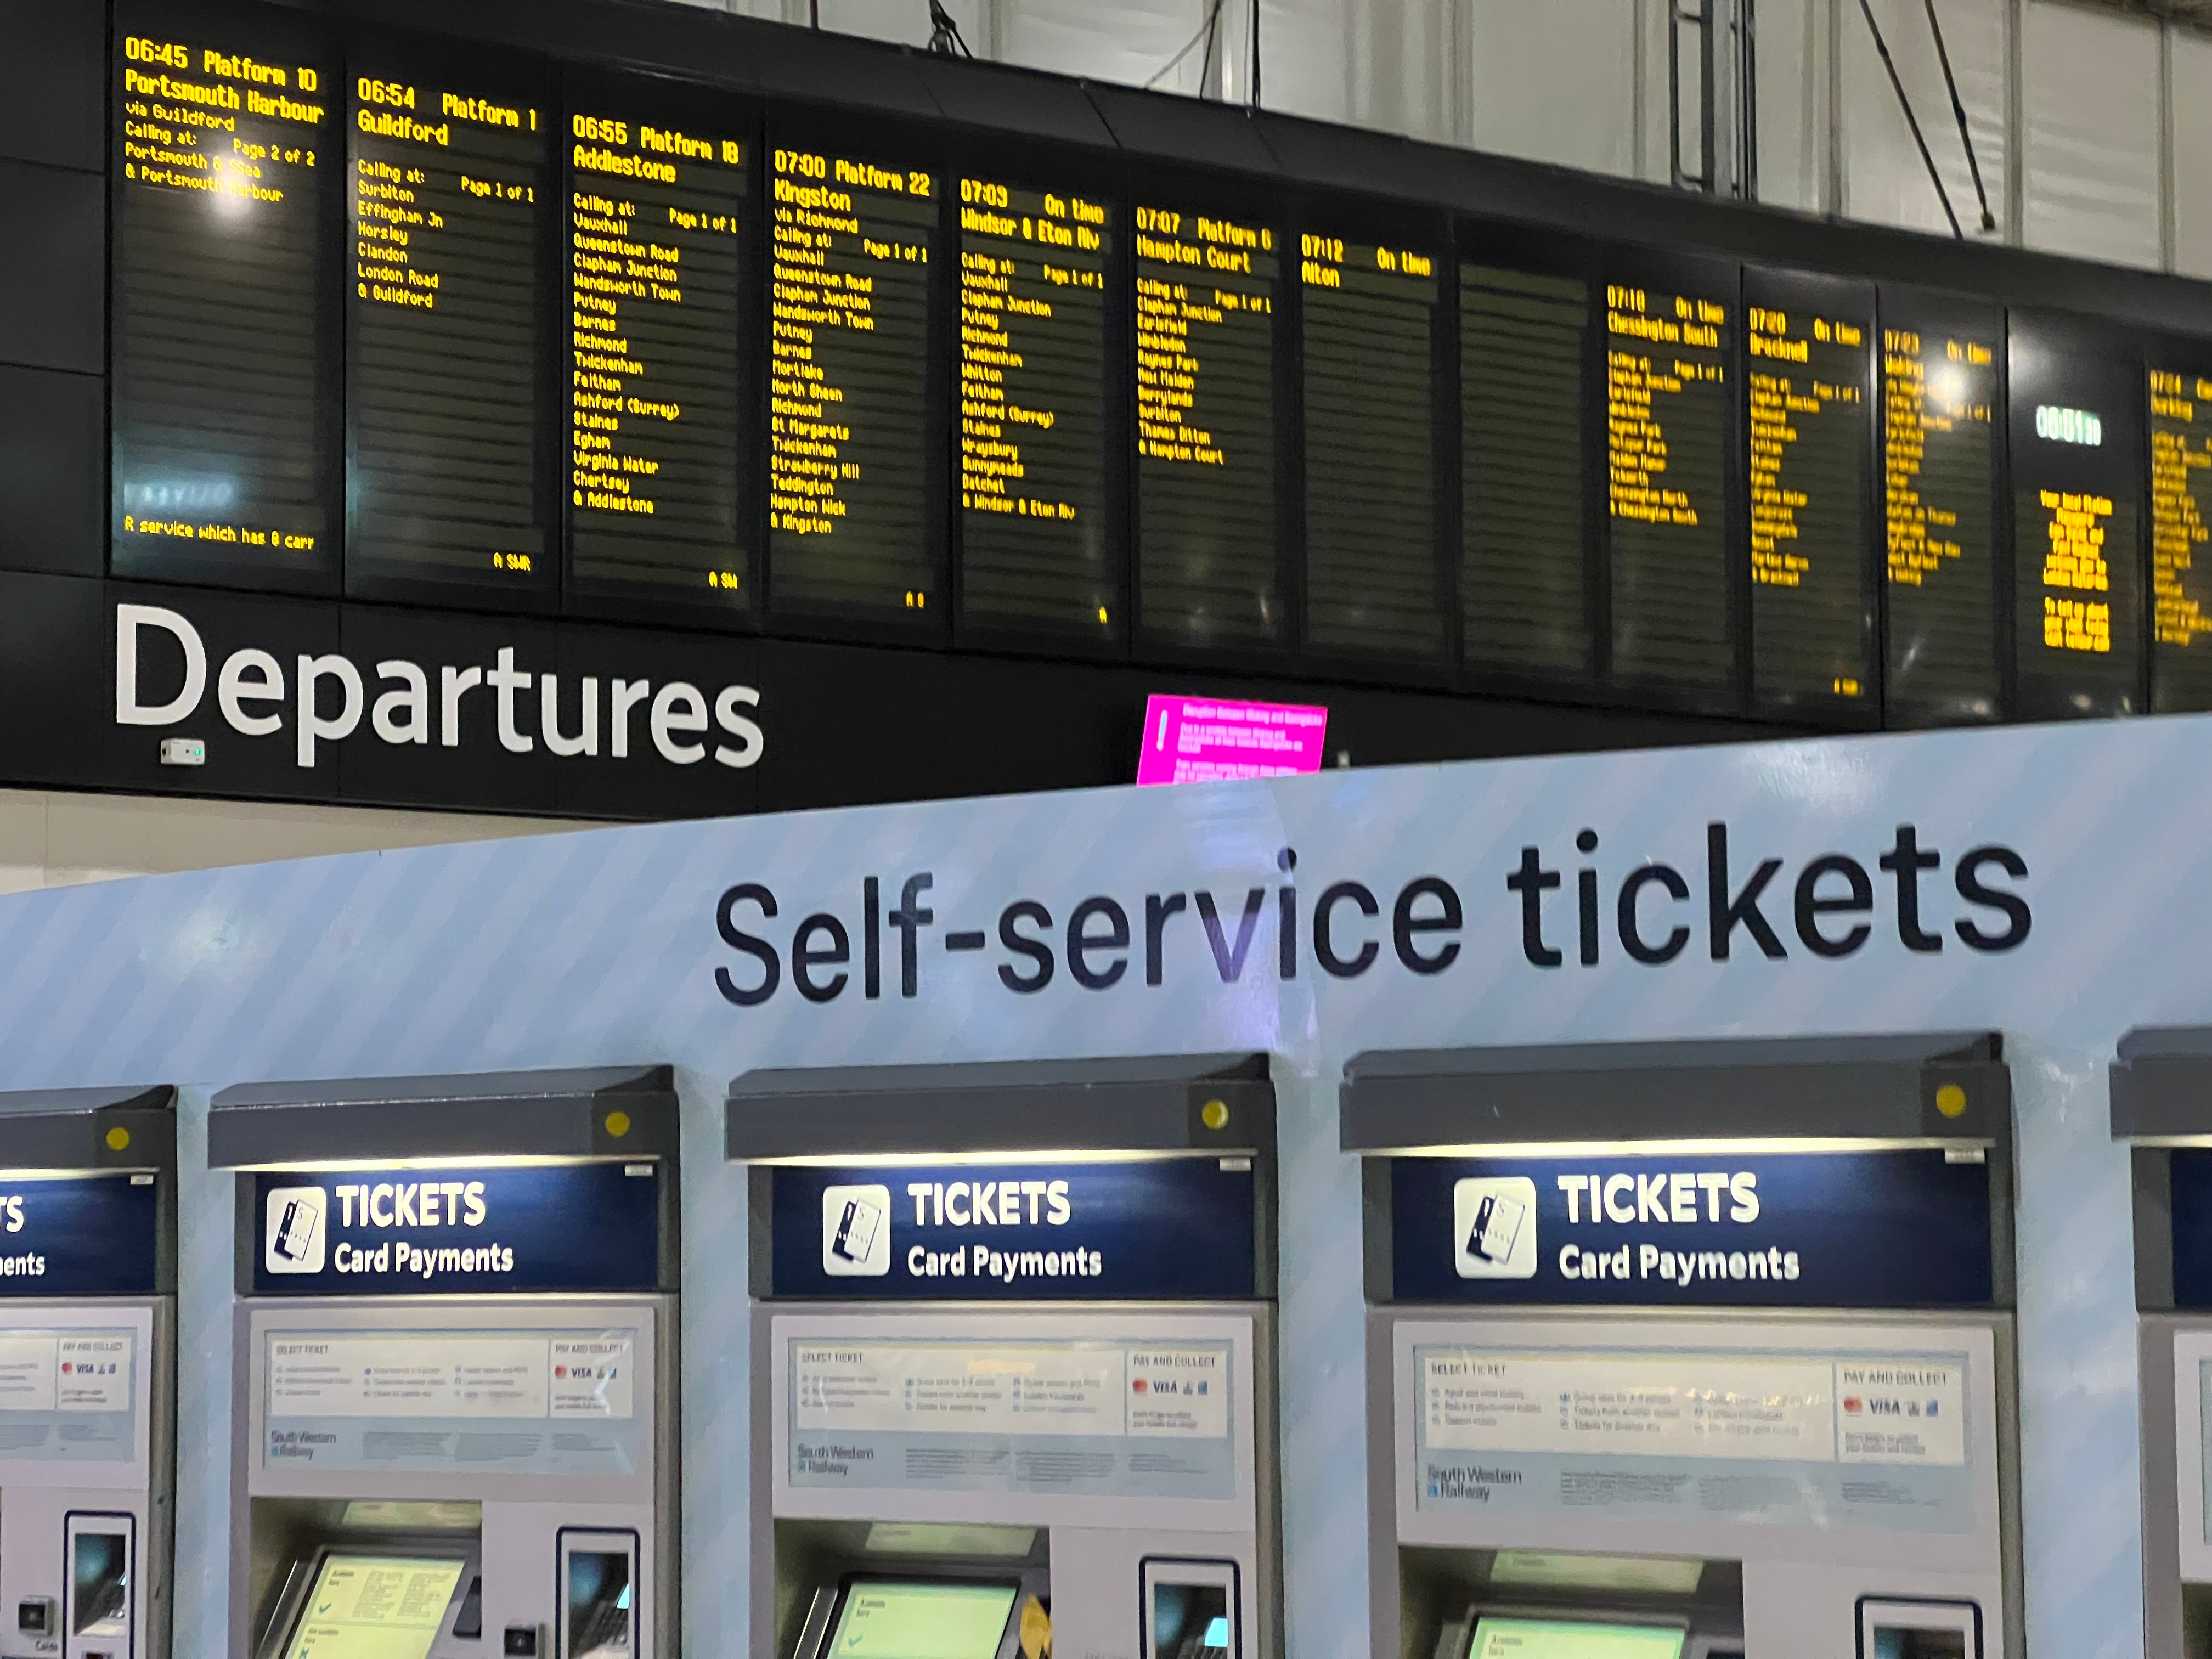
(93, 1234)
(2192, 1228)
(1822, 1230)
(1167, 1229)
(458, 1231)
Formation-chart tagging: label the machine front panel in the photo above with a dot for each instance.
(1828, 1463)
(1093, 1473)
(84, 1488)
(501, 1467)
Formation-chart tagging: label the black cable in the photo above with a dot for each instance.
(945, 41)
(1958, 110)
(1206, 60)
(1205, 33)
(1910, 120)
(1256, 53)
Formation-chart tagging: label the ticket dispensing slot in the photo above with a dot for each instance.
(1691, 1351)
(2161, 1106)
(88, 1336)
(455, 1326)
(1013, 1359)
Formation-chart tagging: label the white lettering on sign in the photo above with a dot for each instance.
(1666, 1196)
(990, 1203)
(331, 695)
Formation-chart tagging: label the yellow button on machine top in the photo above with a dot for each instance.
(1214, 1114)
(1951, 1100)
(118, 1138)
(617, 1124)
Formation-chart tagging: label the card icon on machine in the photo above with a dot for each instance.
(1494, 1227)
(294, 1231)
(856, 1231)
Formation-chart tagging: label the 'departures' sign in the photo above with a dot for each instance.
(458, 1232)
(1174, 1227)
(1905, 1229)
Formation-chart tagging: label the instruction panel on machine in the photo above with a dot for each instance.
(1825, 1437)
(1127, 1418)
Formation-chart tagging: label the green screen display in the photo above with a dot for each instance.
(889, 1620)
(1545, 1639)
(375, 1607)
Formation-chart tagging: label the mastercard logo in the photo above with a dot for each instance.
(1851, 1403)
(1138, 1385)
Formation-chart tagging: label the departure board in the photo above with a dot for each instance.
(1036, 552)
(447, 182)
(1808, 389)
(1208, 564)
(224, 352)
(1668, 421)
(2180, 504)
(1524, 369)
(2077, 556)
(1939, 490)
(1373, 584)
(849, 498)
(656, 377)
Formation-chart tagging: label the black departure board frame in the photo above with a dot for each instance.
(718, 472)
(1644, 555)
(1829, 395)
(1945, 530)
(1329, 233)
(206, 533)
(1570, 634)
(1167, 635)
(2177, 380)
(917, 607)
(447, 386)
(1074, 179)
(1555, 642)
(2088, 519)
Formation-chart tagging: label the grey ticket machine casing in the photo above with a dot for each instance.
(1710, 1338)
(88, 1372)
(1013, 1341)
(2161, 1104)
(455, 1360)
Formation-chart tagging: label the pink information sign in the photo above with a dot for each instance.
(1200, 740)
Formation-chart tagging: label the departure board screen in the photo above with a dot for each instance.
(448, 179)
(1035, 548)
(1373, 585)
(223, 345)
(655, 379)
(849, 498)
(1939, 491)
(2077, 559)
(1808, 387)
(1524, 369)
(2180, 504)
(1668, 421)
(1207, 567)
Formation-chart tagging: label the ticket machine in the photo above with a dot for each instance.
(88, 1372)
(1012, 1360)
(1691, 1351)
(2161, 1106)
(455, 1366)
